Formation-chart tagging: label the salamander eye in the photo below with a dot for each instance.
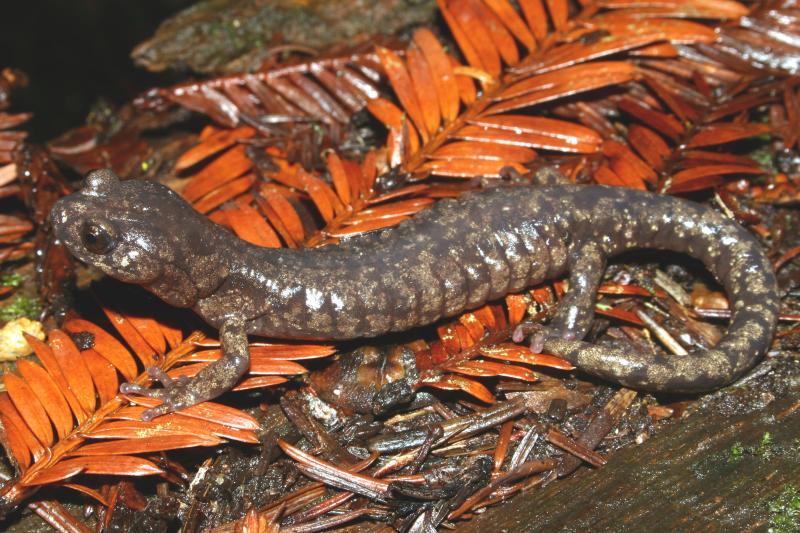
(97, 238)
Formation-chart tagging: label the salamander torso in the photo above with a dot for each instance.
(448, 259)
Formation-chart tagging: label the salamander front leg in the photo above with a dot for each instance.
(575, 312)
(213, 380)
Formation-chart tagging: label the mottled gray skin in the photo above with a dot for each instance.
(450, 258)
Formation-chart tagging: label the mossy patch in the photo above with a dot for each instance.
(784, 511)
(11, 280)
(21, 306)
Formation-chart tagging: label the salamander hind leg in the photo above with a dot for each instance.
(215, 379)
(575, 311)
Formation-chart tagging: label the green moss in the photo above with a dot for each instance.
(763, 156)
(765, 447)
(784, 511)
(21, 306)
(737, 451)
(11, 280)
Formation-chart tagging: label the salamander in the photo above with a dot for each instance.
(455, 256)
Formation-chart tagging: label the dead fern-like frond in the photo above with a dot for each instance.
(676, 84)
(13, 229)
(50, 411)
(10, 140)
(287, 198)
(693, 105)
(64, 417)
(482, 138)
(327, 90)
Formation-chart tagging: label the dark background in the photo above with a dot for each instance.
(76, 52)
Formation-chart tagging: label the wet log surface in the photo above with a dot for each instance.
(712, 471)
(234, 35)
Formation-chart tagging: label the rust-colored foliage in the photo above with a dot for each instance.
(682, 105)
(321, 89)
(13, 229)
(27, 173)
(286, 197)
(474, 346)
(10, 140)
(90, 147)
(64, 416)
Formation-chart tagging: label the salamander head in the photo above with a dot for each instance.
(135, 231)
